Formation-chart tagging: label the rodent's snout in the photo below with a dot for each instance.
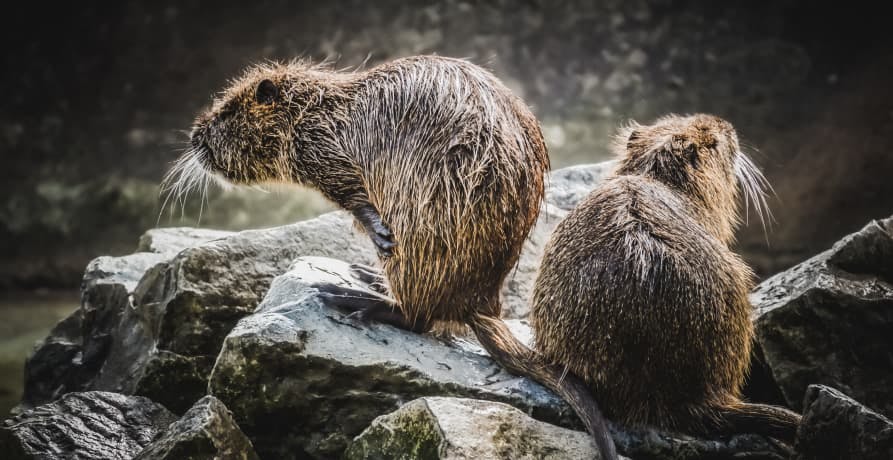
(199, 143)
(195, 138)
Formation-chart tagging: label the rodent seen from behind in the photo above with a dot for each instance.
(659, 303)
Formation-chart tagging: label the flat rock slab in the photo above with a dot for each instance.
(829, 320)
(172, 240)
(836, 427)
(90, 425)
(466, 429)
(459, 428)
(206, 431)
(302, 379)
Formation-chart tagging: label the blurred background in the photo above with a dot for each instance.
(97, 99)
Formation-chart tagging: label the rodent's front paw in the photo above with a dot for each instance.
(383, 243)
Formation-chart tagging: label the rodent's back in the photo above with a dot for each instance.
(637, 298)
(455, 164)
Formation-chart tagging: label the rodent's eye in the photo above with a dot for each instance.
(266, 92)
(691, 153)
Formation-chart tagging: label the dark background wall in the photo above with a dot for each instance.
(95, 99)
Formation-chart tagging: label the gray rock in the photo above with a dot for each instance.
(302, 379)
(457, 428)
(172, 240)
(206, 431)
(837, 427)
(566, 188)
(829, 320)
(91, 425)
(155, 320)
(183, 309)
(94, 348)
(73, 355)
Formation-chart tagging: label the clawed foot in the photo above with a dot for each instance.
(351, 299)
(371, 276)
(360, 316)
(380, 234)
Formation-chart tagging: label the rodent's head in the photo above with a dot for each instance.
(247, 135)
(699, 156)
(251, 134)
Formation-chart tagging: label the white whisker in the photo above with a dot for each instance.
(185, 175)
(755, 188)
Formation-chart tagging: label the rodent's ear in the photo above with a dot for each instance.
(266, 92)
(633, 137)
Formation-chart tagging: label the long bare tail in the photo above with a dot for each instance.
(518, 359)
(772, 421)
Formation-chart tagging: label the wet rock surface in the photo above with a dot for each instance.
(299, 375)
(72, 357)
(156, 319)
(91, 425)
(829, 320)
(836, 427)
(186, 307)
(240, 316)
(205, 431)
(295, 357)
(95, 346)
(458, 428)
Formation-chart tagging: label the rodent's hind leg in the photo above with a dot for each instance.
(368, 306)
(381, 235)
(371, 276)
(387, 314)
(351, 299)
(772, 421)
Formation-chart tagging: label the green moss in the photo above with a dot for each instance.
(410, 434)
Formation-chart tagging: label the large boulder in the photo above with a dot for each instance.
(74, 356)
(91, 425)
(184, 308)
(171, 240)
(835, 427)
(458, 428)
(302, 379)
(155, 320)
(829, 320)
(206, 431)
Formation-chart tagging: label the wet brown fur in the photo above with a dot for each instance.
(639, 294)
(452, 161)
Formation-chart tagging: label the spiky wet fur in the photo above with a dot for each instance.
(658, 302)
(452, 161)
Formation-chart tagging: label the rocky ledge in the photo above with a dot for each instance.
(200, 323)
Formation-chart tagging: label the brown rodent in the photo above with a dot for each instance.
(441, 165)
(658, 302)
